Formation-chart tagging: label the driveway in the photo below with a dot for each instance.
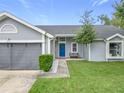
(17, 81)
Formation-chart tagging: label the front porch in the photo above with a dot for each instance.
(66, 47)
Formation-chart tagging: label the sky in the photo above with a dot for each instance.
(55, 12)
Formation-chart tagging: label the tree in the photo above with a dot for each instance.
(118, 16)
(86, 35)
(104, 20)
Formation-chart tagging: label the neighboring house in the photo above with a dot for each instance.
(21, 43)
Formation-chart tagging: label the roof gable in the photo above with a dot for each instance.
(115, 35)
(6, 14)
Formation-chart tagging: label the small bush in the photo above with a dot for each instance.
(45, 62)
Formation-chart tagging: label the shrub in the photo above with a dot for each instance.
(45, 62)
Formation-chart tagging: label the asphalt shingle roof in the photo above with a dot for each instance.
(102, 31)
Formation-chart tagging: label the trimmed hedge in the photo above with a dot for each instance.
(45, 62)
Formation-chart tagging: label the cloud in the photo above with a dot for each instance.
(42, 15)
(31, 8)
(98, 2)
(24, 3)
(95, 2)
(102, 2)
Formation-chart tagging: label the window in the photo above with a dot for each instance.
(74, 47)
(8, 28)
(62, 39)
(115, 49)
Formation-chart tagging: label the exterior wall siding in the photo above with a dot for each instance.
(86, 52)
(24, 32)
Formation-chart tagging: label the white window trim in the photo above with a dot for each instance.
(61, 41)
(8, 31)
(72, 47)
(107, 52)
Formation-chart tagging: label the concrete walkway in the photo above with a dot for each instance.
(21, 81)
(17, 81)
(62, 70)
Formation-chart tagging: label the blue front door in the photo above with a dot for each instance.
(62, 49)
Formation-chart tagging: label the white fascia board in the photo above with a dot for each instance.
(50, 36)
(25, 23)
(119, 35)
(21, 41)
(65, 35)
(71, 35)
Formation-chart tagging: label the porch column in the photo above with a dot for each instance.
(107, 50)
(89, 52)
(43, 44)
(49, 46)
(53, 49)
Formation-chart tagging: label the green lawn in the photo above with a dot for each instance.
(86, 77)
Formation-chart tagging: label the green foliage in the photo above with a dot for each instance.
(118, 15)
(118, 19)
(45, 62)
(86, 34)
(104, 19)
(116, 22)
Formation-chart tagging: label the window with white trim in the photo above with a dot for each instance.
(115, 49)
(8, 28)
(62, 39)
(74, 47)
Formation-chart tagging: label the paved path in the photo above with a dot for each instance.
(21, 81)
(17, 81)
(62, 70)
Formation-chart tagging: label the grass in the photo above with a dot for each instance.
(86, 77)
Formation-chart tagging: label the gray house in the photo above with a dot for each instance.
(21, 43)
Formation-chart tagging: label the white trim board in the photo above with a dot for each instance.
(65, 35)
(115, 35)
(21, 41)
(25, 23)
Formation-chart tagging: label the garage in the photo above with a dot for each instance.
(20, 56)
(21, 43)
